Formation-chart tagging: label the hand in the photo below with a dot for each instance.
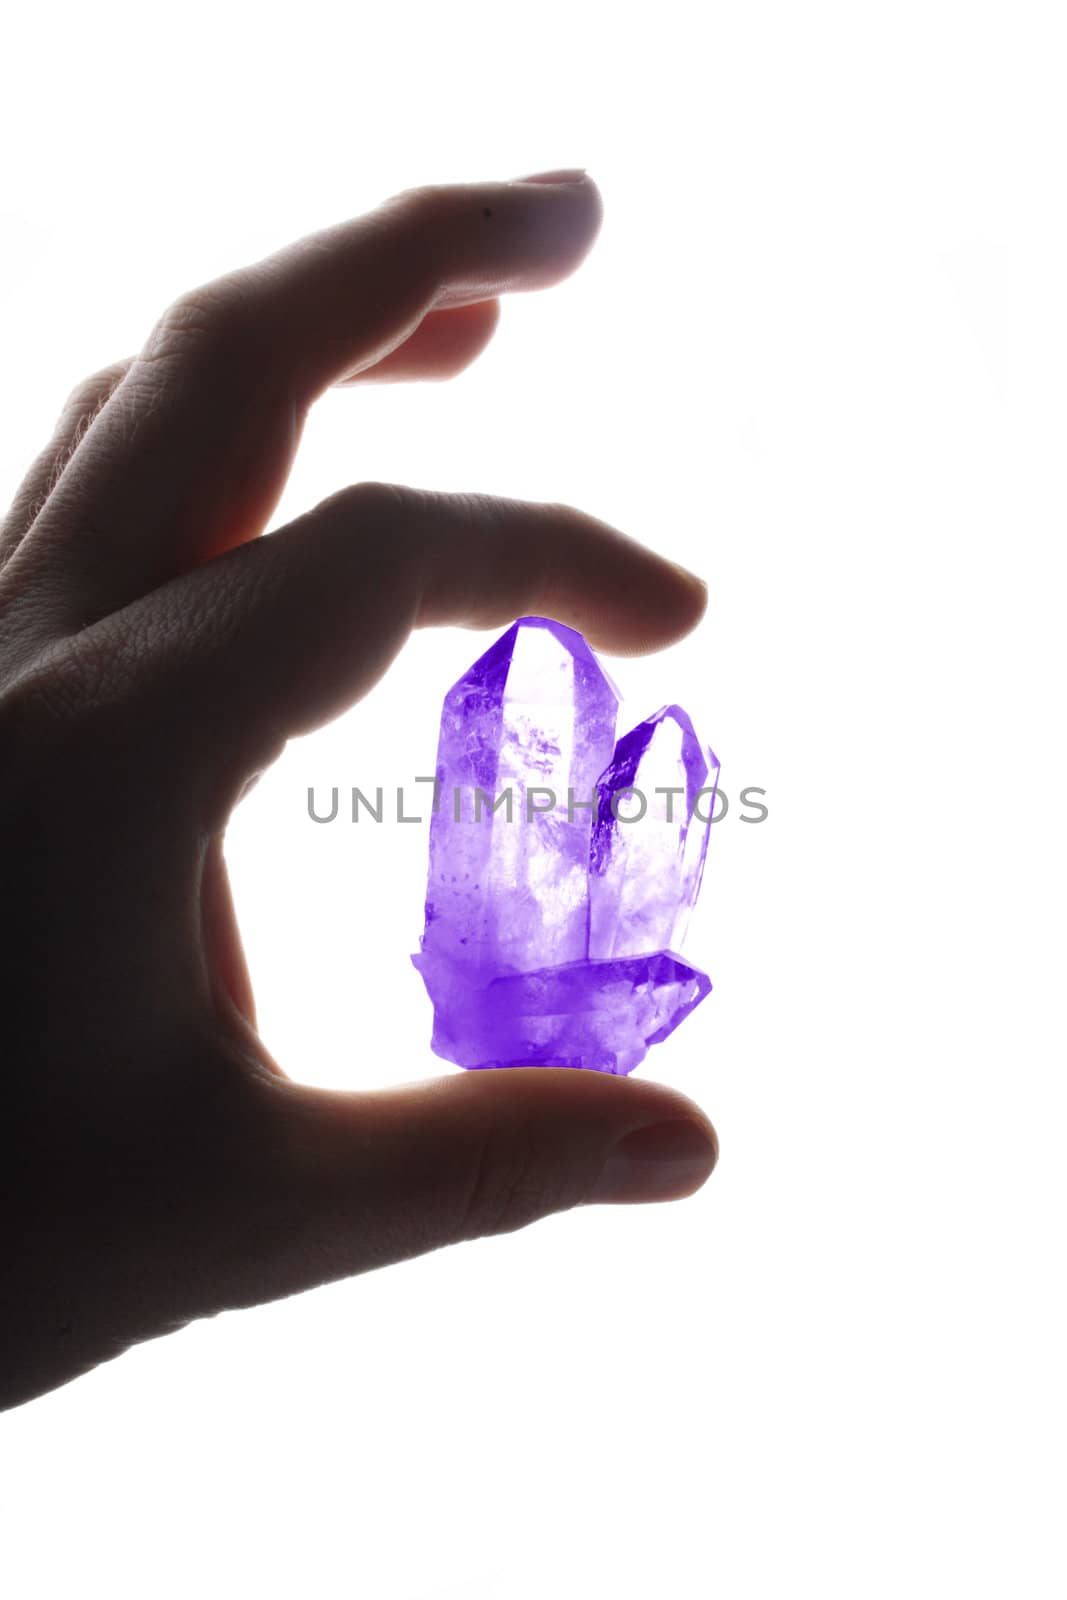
(157, 1164)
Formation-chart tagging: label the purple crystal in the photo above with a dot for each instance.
(648, 850)
(532, 720)
(598, 1014)
(550, 920)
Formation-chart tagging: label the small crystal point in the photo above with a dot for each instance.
(654, 805)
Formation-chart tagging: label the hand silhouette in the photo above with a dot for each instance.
(155, 655)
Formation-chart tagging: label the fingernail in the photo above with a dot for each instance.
(689, 575)
(565, 175)
(664, 1161)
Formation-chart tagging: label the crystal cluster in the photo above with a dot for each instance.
(563, 865)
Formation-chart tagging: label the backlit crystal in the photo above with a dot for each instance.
(552, 923)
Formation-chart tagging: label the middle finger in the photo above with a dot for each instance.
(192, 450)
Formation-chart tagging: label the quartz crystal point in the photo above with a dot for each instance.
(650, 837)
(531, 722)
(552, 926)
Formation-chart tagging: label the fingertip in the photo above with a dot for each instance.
(638, 615)
(560, 175)
(659, 1161)
(685, 600)
(567, 214)
(626, 1140)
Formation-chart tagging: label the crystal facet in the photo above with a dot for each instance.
(533, 719)
(599, 1014)
(551, 920)
(648, 855)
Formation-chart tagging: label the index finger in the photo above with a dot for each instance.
(268, 642)
(191, 452)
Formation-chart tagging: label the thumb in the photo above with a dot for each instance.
(372, 1178)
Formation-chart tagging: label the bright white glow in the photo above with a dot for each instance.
(818, 354)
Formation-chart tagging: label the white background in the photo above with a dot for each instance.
(818, 354)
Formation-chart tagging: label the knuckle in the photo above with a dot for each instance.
(425, 214)
(516, 1180)
(374, 502)
(212, 324)
(92, 392)
(423, 202)
(564, 514)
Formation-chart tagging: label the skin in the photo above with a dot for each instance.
(157, 1164)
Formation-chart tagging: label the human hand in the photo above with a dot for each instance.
(157, 1164)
